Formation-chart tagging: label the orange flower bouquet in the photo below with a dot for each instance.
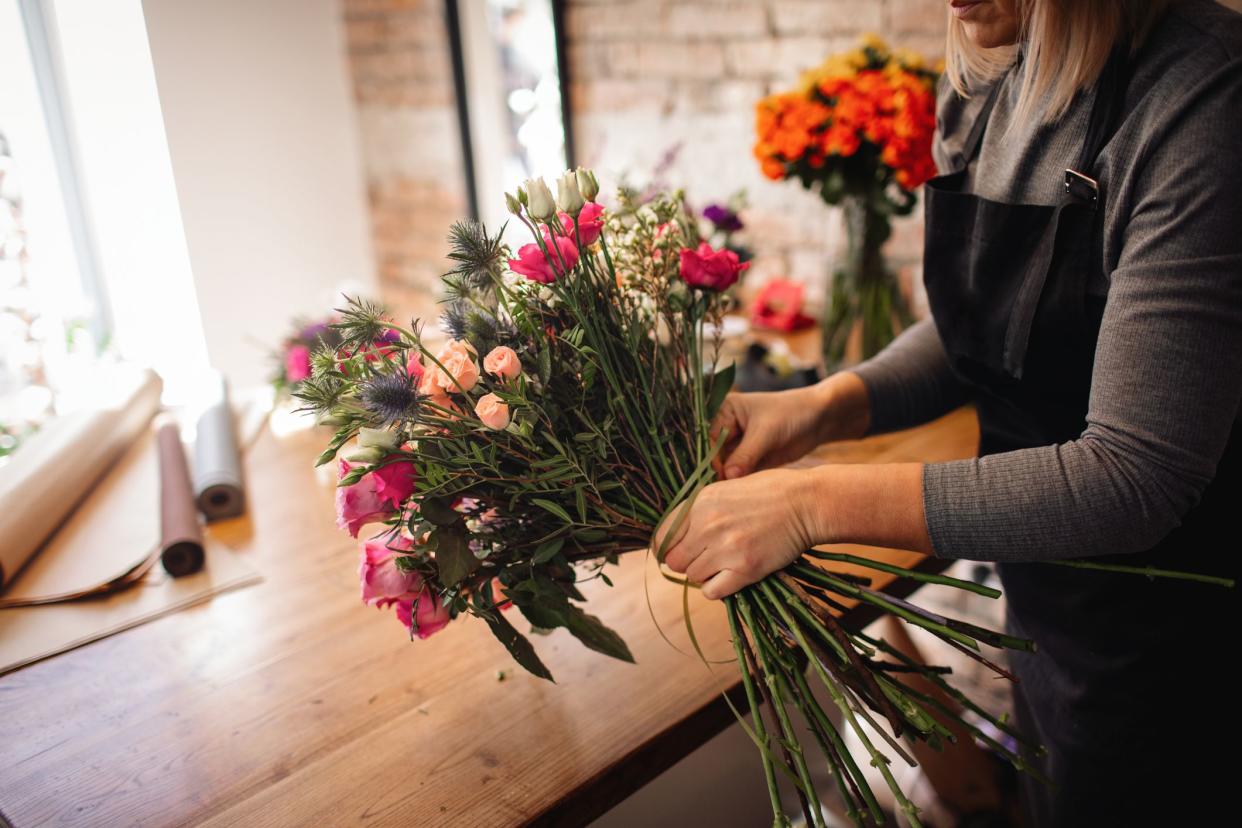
(857, 130)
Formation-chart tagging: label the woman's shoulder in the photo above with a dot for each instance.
(1186, 80)
(1194, 45)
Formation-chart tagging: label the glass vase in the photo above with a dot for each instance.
(864, 308)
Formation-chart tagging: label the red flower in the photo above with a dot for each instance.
(710, 269)
(778, 306)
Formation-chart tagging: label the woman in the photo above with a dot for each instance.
(1083, 267)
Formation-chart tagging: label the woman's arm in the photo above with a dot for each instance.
(1167, 379)
(910, 381)
(1165, 394)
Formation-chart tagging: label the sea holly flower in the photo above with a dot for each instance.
(710, 269)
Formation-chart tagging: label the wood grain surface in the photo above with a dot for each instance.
(290, 704)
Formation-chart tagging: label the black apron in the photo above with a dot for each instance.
(1125, 690)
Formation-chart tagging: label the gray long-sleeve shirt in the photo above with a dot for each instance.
(1166, 385)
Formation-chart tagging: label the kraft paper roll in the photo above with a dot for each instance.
(181, 537)
(217, 461)
(55, 470)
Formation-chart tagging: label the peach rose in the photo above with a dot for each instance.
(459, 374)
(492, 411)
(502, 362)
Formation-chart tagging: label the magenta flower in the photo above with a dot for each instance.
(710, 269)
(383, 583)
(423, 615)
(297, 363)
(532, 263)
(360, 503)
(590, 222)
(394, 481)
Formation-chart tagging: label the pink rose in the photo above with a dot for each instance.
(459, 372)
(423, 615)
(383, 583)
(492, 411)
(710, 269)
(297, 363)
(414, 367)
(502, 362)
(532, 264)
(394, 481)
(360, 503)
(590, 223)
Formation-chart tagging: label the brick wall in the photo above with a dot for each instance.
(403, 88)
(647, 75)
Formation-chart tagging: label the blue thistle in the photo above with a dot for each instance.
(391, 397)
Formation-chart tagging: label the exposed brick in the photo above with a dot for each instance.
(700, 20)
(620, 20)
(619, 95)
(807, 17)
(782, 57)
(666, 59)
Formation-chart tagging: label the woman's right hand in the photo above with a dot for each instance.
(771, 428)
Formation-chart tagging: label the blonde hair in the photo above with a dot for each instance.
(1067, 44)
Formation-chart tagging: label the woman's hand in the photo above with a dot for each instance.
(771, 428)
(737, 531)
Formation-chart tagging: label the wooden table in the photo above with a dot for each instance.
(289, 703)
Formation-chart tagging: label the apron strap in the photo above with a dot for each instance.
(1106, 109)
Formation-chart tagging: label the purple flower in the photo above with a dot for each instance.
(724, 218)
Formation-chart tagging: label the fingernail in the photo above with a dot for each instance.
(733, 471)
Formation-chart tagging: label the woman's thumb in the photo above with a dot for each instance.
(743, 459)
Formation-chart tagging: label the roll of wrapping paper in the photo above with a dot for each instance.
(217, 461)
(51, 474)
(181, 537)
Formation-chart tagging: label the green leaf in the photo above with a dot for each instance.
(547, 550)
(554, 508)
(722, 382)
(517, 644)
(580, 502)
(454, 560)
(595, 635)
(544, 365)
(438, 510)
(591, 535)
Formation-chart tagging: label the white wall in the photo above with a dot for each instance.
(262, 133)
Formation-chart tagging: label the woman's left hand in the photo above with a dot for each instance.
(738, 531)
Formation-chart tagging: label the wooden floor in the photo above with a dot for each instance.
(290, 704)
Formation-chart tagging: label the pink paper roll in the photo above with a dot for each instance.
(181, 537)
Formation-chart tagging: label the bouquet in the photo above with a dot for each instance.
(565, 418)
(858, 130)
